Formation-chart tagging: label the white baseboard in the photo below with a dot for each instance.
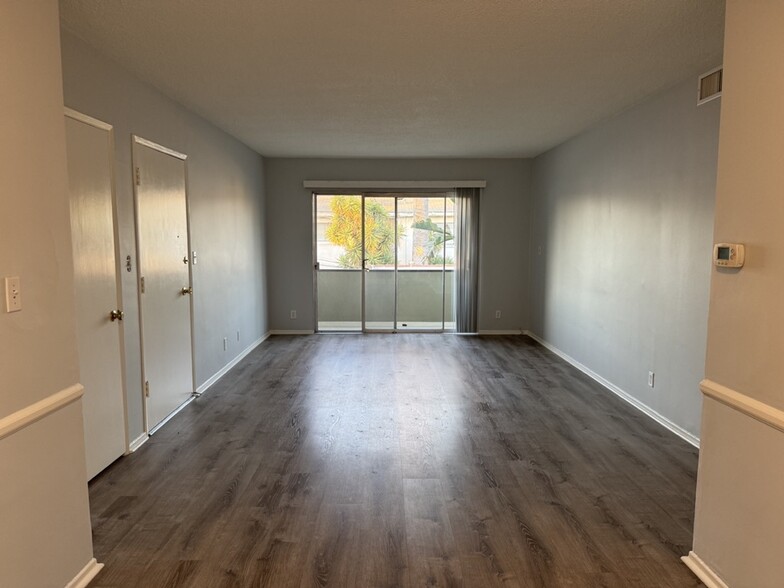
(702, 571)
(286, 332)
(173, 414)
(224, 370)
(642, 407)
(136, 443)
(501, 332)
(84, 577)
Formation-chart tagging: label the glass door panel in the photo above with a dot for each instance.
(379, 262)
(338, 253)
(448, 251)
(421, 224)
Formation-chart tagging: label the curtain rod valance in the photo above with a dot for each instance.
(392, 184)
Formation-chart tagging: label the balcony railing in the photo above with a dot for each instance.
(425, 297)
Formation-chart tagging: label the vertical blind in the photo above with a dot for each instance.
(466, 259)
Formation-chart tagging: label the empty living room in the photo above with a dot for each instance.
(404, 293)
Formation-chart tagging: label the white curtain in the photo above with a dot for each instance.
(466, 259)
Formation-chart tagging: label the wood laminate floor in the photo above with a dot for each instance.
(400, 460)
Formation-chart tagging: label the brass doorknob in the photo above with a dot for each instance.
(186, 290)
(116, 315)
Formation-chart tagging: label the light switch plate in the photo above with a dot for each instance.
(13, 294)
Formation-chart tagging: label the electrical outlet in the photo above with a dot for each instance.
(13, 294)
(651, 379)
(497, 314)
(293, 314)
(225, 343)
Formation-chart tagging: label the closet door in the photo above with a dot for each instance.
(164, 279)
(98, 316)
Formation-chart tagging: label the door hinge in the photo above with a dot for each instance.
(147, 388)
(141, 284)
(138, 177)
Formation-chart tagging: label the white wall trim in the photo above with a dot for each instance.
(81, 117)
(222, 372)
(501, 332)
(83, 578)
(702, 571)
(392, 184)
(285, 332)
(158, 147)
(641, 406)
(38, 410)
(756, 409)
(136, 443)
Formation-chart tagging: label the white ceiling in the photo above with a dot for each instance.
(405, 78)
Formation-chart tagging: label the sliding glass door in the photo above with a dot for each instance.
(380, 276)
(384, 262)
(337, 230)
(424, 252)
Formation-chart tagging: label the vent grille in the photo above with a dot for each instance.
(709, 85)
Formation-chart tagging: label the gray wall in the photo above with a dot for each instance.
(504, 227)
(45, 537)
(621, 248)
(226, 202)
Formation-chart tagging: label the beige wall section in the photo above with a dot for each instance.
(504, 226)
(746, 324)
(45, 531)
(226, 198)
(45, 536)
(623, 215)
(35, 234)
(739, 518)
(740, 488)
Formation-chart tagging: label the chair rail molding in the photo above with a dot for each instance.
(38, 410)
(756, 409)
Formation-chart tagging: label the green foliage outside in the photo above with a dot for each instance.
(435, 243)
(345, 230)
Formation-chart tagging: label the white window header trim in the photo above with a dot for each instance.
(392, 184)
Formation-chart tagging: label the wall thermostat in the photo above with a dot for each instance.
(728, 254)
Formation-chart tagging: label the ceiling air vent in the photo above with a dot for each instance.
(709, 85)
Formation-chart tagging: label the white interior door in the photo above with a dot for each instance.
(90, 153)
(164, 279)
